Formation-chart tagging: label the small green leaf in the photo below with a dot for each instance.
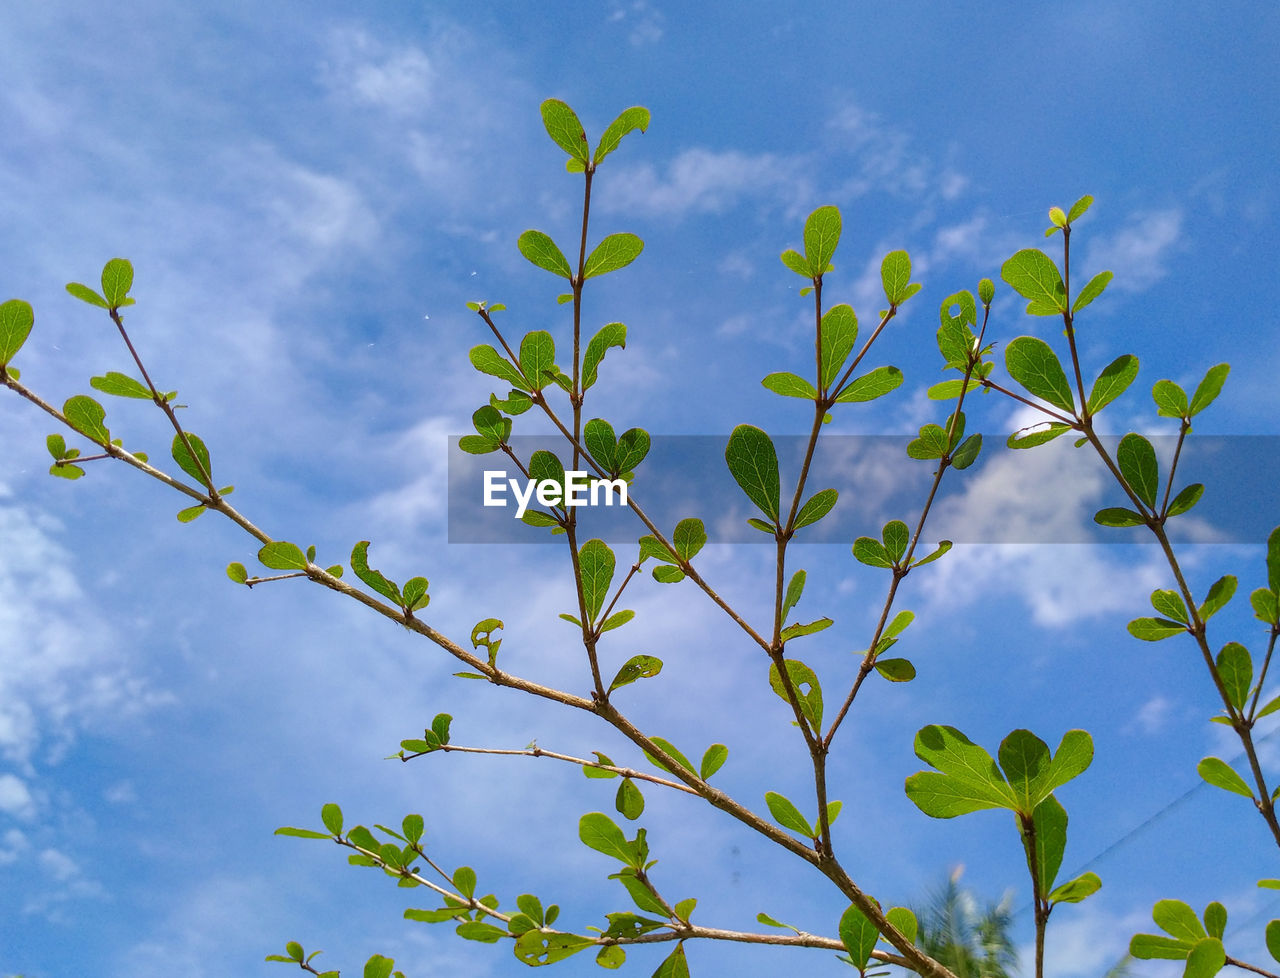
(1091, 291)
(821, 235)
(487, 360)
(595, 772)
(596, 563)
(537, 355)
(192, 465)
(1137, 461)
(629, 801)
(1185, 499)
(236, 571)
(671, 749)
(614, 252)
(371, 577)
(794, 590)
(637, 667)
(617, 620)
(797, 630)
(789, 385)
(895, 276)
(1222, 591)
(566, 131)
(415, 596)
(675, 965)
(947, 389)
(1222, 775)
(931, 444)
(967, 453)
(1112, 382)
(117, 280)
(611, 956)
(787, 815)
(1273, 937)
(86, 294)
(1033, 364)
(896, 670)
(966, 778)
(478, 930)
(539, 249)
(871, 552)
(797, 263)
(818, 506)
(1154, 629)
(808, 690)
(282, 555)
(1169, 604)
(1034, 276)
(859, 936)
(943, 547)
(1037, 435)
(86, 416)
(633, 446)
(1265, 605)
(65, 471)
(609, 336)
(331, 815)
(753, 462)
(712, 760)
(16, 320)
(1049, 823)
(1079, 207)
(191, 513)
(1171, 400)
(1206, 959)
(1178, 919)
(121, 385)
(839, 334)
(1118, 516)
(1148, 946)
(689, 538)
(871, 385)
(668, 575)
(1215, 919)
(302, 833)
(636, 117)
(1209, 388)
(1078, 889)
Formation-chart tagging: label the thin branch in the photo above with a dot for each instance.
(625, 772)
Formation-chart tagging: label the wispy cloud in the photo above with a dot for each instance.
(704, 181)
(365, 71)
(644, 23)
(1138, 252)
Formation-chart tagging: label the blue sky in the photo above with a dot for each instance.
(310, 193)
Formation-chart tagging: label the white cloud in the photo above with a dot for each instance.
(705, 181)
(57, 864)
(1138, 252)
(1152, 717)
(15, 797)
(646, 24)
(366, 71)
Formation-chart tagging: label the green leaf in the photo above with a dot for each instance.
(797, 630)
(1137, 461)
(808, 690)
(65, 471)
(675, 965)
(871, 385)
(1154, 629)
(16, 320)
(487, 360)
(117, 279)
(1025, 758)
(537, 354)
(967, 453)
(689, 538)
(1034, 276)
(371, 577)
(478, 930)
(797, 263)
(191, 513)
(1033, 364)
(794, 590)
(636, 117)
(189, 464)
(1185, 499)
(614, 252)
(896, 670)
(566, 131)
(1037, 435)
(633, 446)
(236, 571)
(282, 555)
(670, 749)
(787, 815)
(1273, 560)
(294, 950)
(535, 948)
(57, 446)
(596, 562)
(1265, 605)
(538, 248)
(789, 385)
(712, 760)
(818, 506)
(821, 235)
(302, 833)
(905, 921)
(121, 385)
(943, 547)
(685, 907)
(896, 537)
(859, 936)
(1171, 400)
(600, 441)
(1222, 775)
(611, 956)
(609, 336)
(1209, 388)
(1078, 889)
(1112, 382)
(629, 801)
(753, 462)
(947, 389)
(637, 667)
(86, 416)
(839, 334)
(1079, 207)
(331, 815)
(1178, 919)
(1222, 591)
(931, 444)
(668, 575)
(1273, 938)
(1049, 822)
(1206, 959)
(86, 294)
(1215, 919)
(617, 620)
(1169, 604)
(1118, 516)
(1148, 946)
(895, 276)
(415, 595)
(595, 772)
(477, 445)
(1091, 291)
(966, 779)
(640, 894)
(491, 425)
(871, 552)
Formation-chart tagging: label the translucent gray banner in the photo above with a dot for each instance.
(1047, 494)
